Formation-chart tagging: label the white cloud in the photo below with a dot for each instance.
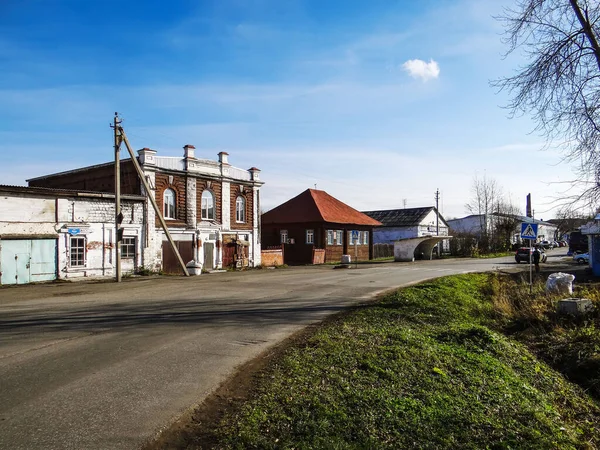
(418, 68)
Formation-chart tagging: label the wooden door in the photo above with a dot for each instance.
(170, 264)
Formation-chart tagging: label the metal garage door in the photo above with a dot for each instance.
(27, 260)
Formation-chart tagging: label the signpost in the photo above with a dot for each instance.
(529, 231)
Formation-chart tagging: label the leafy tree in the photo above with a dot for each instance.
(560, 83)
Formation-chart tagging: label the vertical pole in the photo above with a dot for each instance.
(530, 266)
(437, 219)
(117, 198)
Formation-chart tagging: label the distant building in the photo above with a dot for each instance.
(475, 225)
(413, 231)
(314, 222)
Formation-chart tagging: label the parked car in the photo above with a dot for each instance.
(582, 258)
(522, 254)
(545, 244)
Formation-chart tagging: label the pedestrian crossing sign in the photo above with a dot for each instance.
(529, 230)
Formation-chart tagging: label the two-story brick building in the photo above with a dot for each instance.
(210, 207)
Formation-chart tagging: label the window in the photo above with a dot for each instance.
(208, 205)
(77, 251)
(365, 237)
(329, 237)
(284, 236)
(240, 209)
(128, 247)
(339, 236)
(310, 236)
(169, 204)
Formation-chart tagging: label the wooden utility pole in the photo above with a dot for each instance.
(118, 216)
(123, 138)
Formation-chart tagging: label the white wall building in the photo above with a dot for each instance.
(48, 234)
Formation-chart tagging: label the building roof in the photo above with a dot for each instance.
(316, 206)
(56, 192)
(513, 216)
(407, 217)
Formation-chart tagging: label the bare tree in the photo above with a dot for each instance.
(560, 84)
(486, 194)
(498, 216)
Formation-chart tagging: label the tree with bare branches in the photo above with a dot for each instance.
(498, 217)
(560, 84)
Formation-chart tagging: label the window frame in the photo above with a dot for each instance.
(330, 237)
(170, 208)
(128, 246)
(365, 237)
(206, 208)
(283, 233)
(240, 213)
(81, 251)
(310, 236)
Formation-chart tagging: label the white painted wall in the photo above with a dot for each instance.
(92, 218)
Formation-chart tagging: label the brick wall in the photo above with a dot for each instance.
(216, 188)
(271, 258)
(247, 194)
(178, 184)
(100, 179)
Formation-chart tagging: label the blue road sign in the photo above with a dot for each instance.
(354, 234)
(529, 230)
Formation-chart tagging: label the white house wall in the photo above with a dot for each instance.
(61, 218)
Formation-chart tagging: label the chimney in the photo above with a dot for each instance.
(223, 157)
(188, 151)
(254, 174)
(146, 156)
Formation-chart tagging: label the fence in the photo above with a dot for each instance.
(272, 256)
(383, 251)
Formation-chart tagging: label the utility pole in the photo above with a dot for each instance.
(118, 215)
(437, 219)
(157, 210)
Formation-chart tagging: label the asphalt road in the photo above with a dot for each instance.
(106, 366)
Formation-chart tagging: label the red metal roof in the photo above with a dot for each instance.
(316, 206)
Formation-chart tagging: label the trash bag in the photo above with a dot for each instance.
(560, 283)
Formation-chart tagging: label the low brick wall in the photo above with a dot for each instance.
(271, 258)
(318, 256)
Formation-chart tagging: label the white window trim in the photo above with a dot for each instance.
(339, 237)
(204, 216)
(283, 233)
(134, 247)
(311, 234)
(330, 237)
(240, 213)
(169, 213)
(71, 238)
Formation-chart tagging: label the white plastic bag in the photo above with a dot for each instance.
(560, 283)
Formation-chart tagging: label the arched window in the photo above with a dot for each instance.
(169, 204)
(240, 209)
(208, 206)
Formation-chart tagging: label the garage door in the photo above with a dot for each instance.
(170, 262)
(27, 260)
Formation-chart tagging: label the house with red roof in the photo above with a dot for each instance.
(315, 227)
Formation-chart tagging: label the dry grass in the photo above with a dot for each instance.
(569, 344)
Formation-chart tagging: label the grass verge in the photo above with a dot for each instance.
(422, 368)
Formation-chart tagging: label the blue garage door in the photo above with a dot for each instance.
(27, 260)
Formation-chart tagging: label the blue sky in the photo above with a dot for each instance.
(376, 102)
